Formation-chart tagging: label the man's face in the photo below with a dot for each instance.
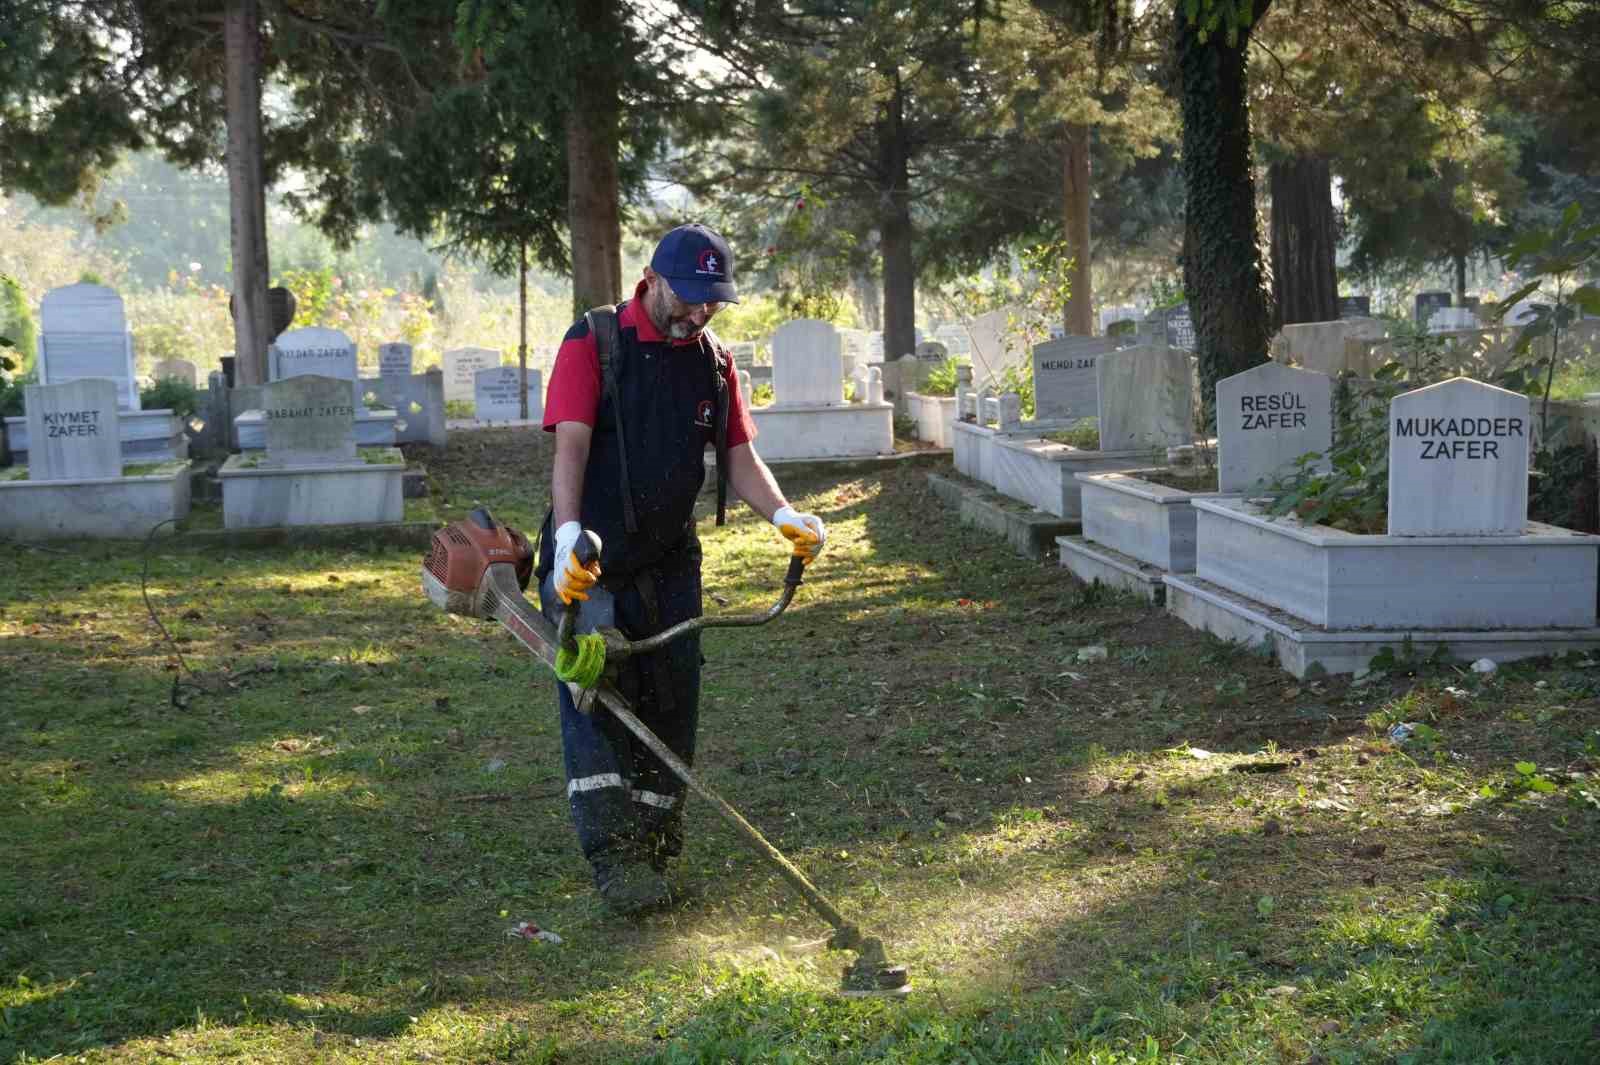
(671, 316)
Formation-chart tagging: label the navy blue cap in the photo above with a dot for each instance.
(697, 264)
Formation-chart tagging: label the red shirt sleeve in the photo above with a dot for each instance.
(574, 392)
(741, 427)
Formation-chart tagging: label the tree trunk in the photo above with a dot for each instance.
(522, 330)
(1305, 239)
(593, 213)
(241, 35)
(1078, 315)
(1222, 271)
(899, 268)
(1459, 261)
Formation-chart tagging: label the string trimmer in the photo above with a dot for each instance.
(479, 568)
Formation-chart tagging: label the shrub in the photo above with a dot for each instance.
(941, 379)
(171, 392)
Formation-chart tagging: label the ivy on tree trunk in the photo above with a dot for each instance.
(1222, 269)
(1078, 315)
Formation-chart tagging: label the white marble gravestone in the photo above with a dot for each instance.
(310, 421)
(460, 369)
(744, 353)
(83, 332)
(394, 360)
(496, 399)
(312, 350)
(1451, 319)
(73, 431)
(178, 369)
(1458, 461)
(1320, 346)
(858, 383)
(1267, 417)
(807, 364)
(932, 351)
(1065, 376)
(1145, 398)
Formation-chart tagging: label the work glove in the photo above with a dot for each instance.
(572, 581)
(805, 531)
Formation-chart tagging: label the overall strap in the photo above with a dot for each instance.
(718, 367)
(607, 339)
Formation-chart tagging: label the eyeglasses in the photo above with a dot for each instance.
(680, 308)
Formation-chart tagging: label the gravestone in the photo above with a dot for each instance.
(1458, 461)
(461, 366)
(1180, 327)
(280, 312)
(1145, 398)
(744, 353)
(73, 432)
(313, 350)
(1267, 417)
(176, 369)
(1110, 316)
(954, 338)
(874, 385)
(496, 396)
(1065, 376)
(1427, 303)
(858, 385)
(745, 388)
(83, 332)
(309, 421)
(1324, 346)
(807, 364)
(1450, 319)
(1355, 306)
(394, 360)
(932, 351)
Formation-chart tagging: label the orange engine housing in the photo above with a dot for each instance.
(462, 552)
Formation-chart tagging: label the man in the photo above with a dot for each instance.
(630, 461)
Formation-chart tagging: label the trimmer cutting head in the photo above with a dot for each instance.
(458, 560)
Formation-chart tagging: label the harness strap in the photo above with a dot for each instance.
(607, 341)
(721, 422)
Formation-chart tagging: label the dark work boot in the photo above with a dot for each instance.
(630, 887)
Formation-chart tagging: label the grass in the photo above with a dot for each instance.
(313, 851)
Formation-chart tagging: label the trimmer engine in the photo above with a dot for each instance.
(455, 571)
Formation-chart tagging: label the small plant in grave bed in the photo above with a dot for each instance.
(1084, 434)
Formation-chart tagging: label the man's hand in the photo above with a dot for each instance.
(805, 531)
(572, 580)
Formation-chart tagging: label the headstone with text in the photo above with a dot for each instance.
(394, 360)
(1355, 306)
(1427, 303)
(1458, 460)
(496, 397)
(744, 353)
(807, 364)
(312, 350)
(309, 421)
(461, 366)
(73, 432)
(1267, 417)
(1065, 377)
(83, 332)
(1145, 398)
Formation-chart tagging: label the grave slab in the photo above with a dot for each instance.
(394, 360)
(1092, 563)
(496, 396)
(1145, 398)
(460, 367)
(1065, 380)
(107, 508)
(1267, 417)
(1306, 650)
(1458, 461)
(73, 433)
(807, 364)
(83, 332)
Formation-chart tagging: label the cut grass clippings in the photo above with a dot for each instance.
(314, 853)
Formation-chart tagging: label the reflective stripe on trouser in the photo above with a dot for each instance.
(624, 801)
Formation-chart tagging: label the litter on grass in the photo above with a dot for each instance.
(529, 930)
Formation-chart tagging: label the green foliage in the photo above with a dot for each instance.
(1018, 378)
(941, 379)
(1555, 257)
(17, 330)
(762, 395)
(1352, 492)
(1031, 284)
(171, 392)
(1083, 434)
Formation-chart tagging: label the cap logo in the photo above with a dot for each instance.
(709, 263)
